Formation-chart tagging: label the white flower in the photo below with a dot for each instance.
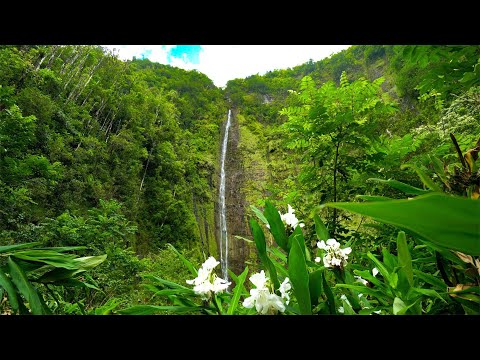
(220, 285)
(317, 259)
(206, 281)
(284, 288)
(341, 310)
(290, 219)
(374, 271)
(335, 256)
(360, 295)
(260, 297)
(378, 311)
(361, 280)
(259, 279)
(210, 263)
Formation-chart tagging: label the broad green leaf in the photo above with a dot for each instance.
(153, 309)
(166, 292)
(219, 305)
(259, 214)
(90, 262)
(75, 283)
(448, 221)
(405, 262)
(6, 284)
(424, 177)
(277, 228)
(407, 189)
(187, 263)
(233, 276)
(25, 287)
(298, 274)
(64, 248)
(315, 284)
(10, 248)
(427, 292)
(321, 229)
(237, 291)
(244, 239)
(259, 238)
(381, 268)
(280, 268)
(48, 257)
(399, 306)
(170, 284)
(297, 233)
(378, 294)
(349, 279)
(430, 279)
(373, 198)
(439, 169)
(278, 253)
(367, 275)
(58, 274)
(330, 297)
(347, 308)
(389, 260)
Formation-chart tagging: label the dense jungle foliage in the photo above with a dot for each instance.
(362, 180)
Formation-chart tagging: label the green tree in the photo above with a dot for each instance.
(334, 126)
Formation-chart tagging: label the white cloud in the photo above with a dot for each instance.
(226, 62)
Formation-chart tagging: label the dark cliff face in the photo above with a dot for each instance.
(237, 223)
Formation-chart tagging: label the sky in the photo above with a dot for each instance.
(226, 62)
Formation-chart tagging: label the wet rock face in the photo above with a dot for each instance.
(237, 223)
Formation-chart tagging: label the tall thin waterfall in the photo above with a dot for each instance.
(223, 210)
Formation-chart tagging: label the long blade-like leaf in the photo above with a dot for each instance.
(10, 289)
(320, 229)
(25, 287)
(448, 221)
(9, 248)
(237, 291)
(298, 274)
(262, 252)
(259, 214)
(407, 189)
(187, 263)
(405, 273)
(152, 309)
(277, 228)
(424, 177)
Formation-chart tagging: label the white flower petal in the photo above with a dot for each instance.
(210, 263)
(361, 280)
(341, 310)
(249, 302)
(321, 245)
(347, 250)
(333, 243)
(374, 271)
(317, 259)
(259, 279)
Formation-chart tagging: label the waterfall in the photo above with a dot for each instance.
(223, 210)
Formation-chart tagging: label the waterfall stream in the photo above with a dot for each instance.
(223, 210)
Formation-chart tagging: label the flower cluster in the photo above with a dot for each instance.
(264, 301)
(207, 281)
(334, 255)
(289, 219)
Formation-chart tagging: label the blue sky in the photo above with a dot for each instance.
(225, 62)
